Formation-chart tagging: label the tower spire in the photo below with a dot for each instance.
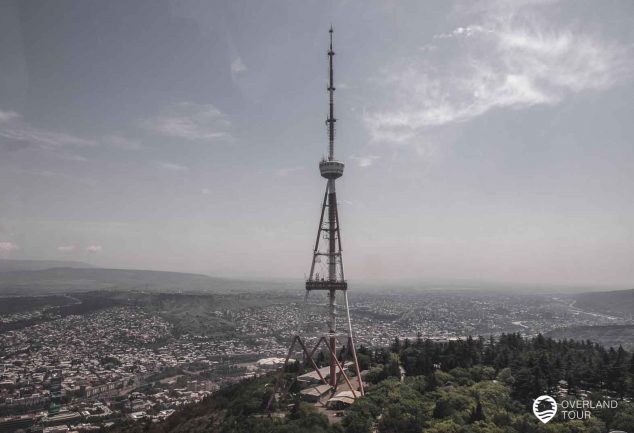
(331, 93)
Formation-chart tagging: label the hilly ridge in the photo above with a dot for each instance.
(618, 302)
(64, 280)
(38, 265)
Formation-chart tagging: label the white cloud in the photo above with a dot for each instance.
(463, 32)
(15, 134)
(7, 116)
(7, 247)
(237, 66)
(192, 122)
(428, 47)
(509, 61)
(94, 248)
(171, 166)
(365, 160)
(121, 142)
(205, 191)
(66, 248)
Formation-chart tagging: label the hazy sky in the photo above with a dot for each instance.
(481, 141)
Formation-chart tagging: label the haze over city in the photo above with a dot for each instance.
(183, 181)
(482, 142)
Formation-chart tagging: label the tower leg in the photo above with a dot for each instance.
(332, 274)
(278, 380)
(333, 364)
(352, 347)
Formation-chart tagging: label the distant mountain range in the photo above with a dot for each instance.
(47, 277)
(608, 335)
(618, 302)
(39, 277)
(38, 265)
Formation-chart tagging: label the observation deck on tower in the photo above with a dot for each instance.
(326, 285)
(331, 169)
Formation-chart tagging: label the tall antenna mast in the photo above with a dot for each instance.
(332, 281)
(331, 116)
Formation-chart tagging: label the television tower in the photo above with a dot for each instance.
(333, 281)
(331, 169)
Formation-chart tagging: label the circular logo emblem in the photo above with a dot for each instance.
(545, 408)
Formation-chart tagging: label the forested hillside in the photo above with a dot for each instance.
(475, 385)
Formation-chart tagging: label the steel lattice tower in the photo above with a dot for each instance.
(334, 281)
(331, 169)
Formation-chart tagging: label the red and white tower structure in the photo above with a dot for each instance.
(332, 281)
(329, 230)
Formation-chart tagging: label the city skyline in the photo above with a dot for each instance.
(482, 142)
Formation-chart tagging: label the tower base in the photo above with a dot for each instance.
(281, 389)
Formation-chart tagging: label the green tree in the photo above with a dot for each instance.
(506, 376)
(477, 414)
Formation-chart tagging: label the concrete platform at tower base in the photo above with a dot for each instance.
(315, 393)
(341, 400)
(313, 377)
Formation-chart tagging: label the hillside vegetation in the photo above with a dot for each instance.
(471, 386)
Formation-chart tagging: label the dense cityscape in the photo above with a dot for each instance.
(136, 361)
